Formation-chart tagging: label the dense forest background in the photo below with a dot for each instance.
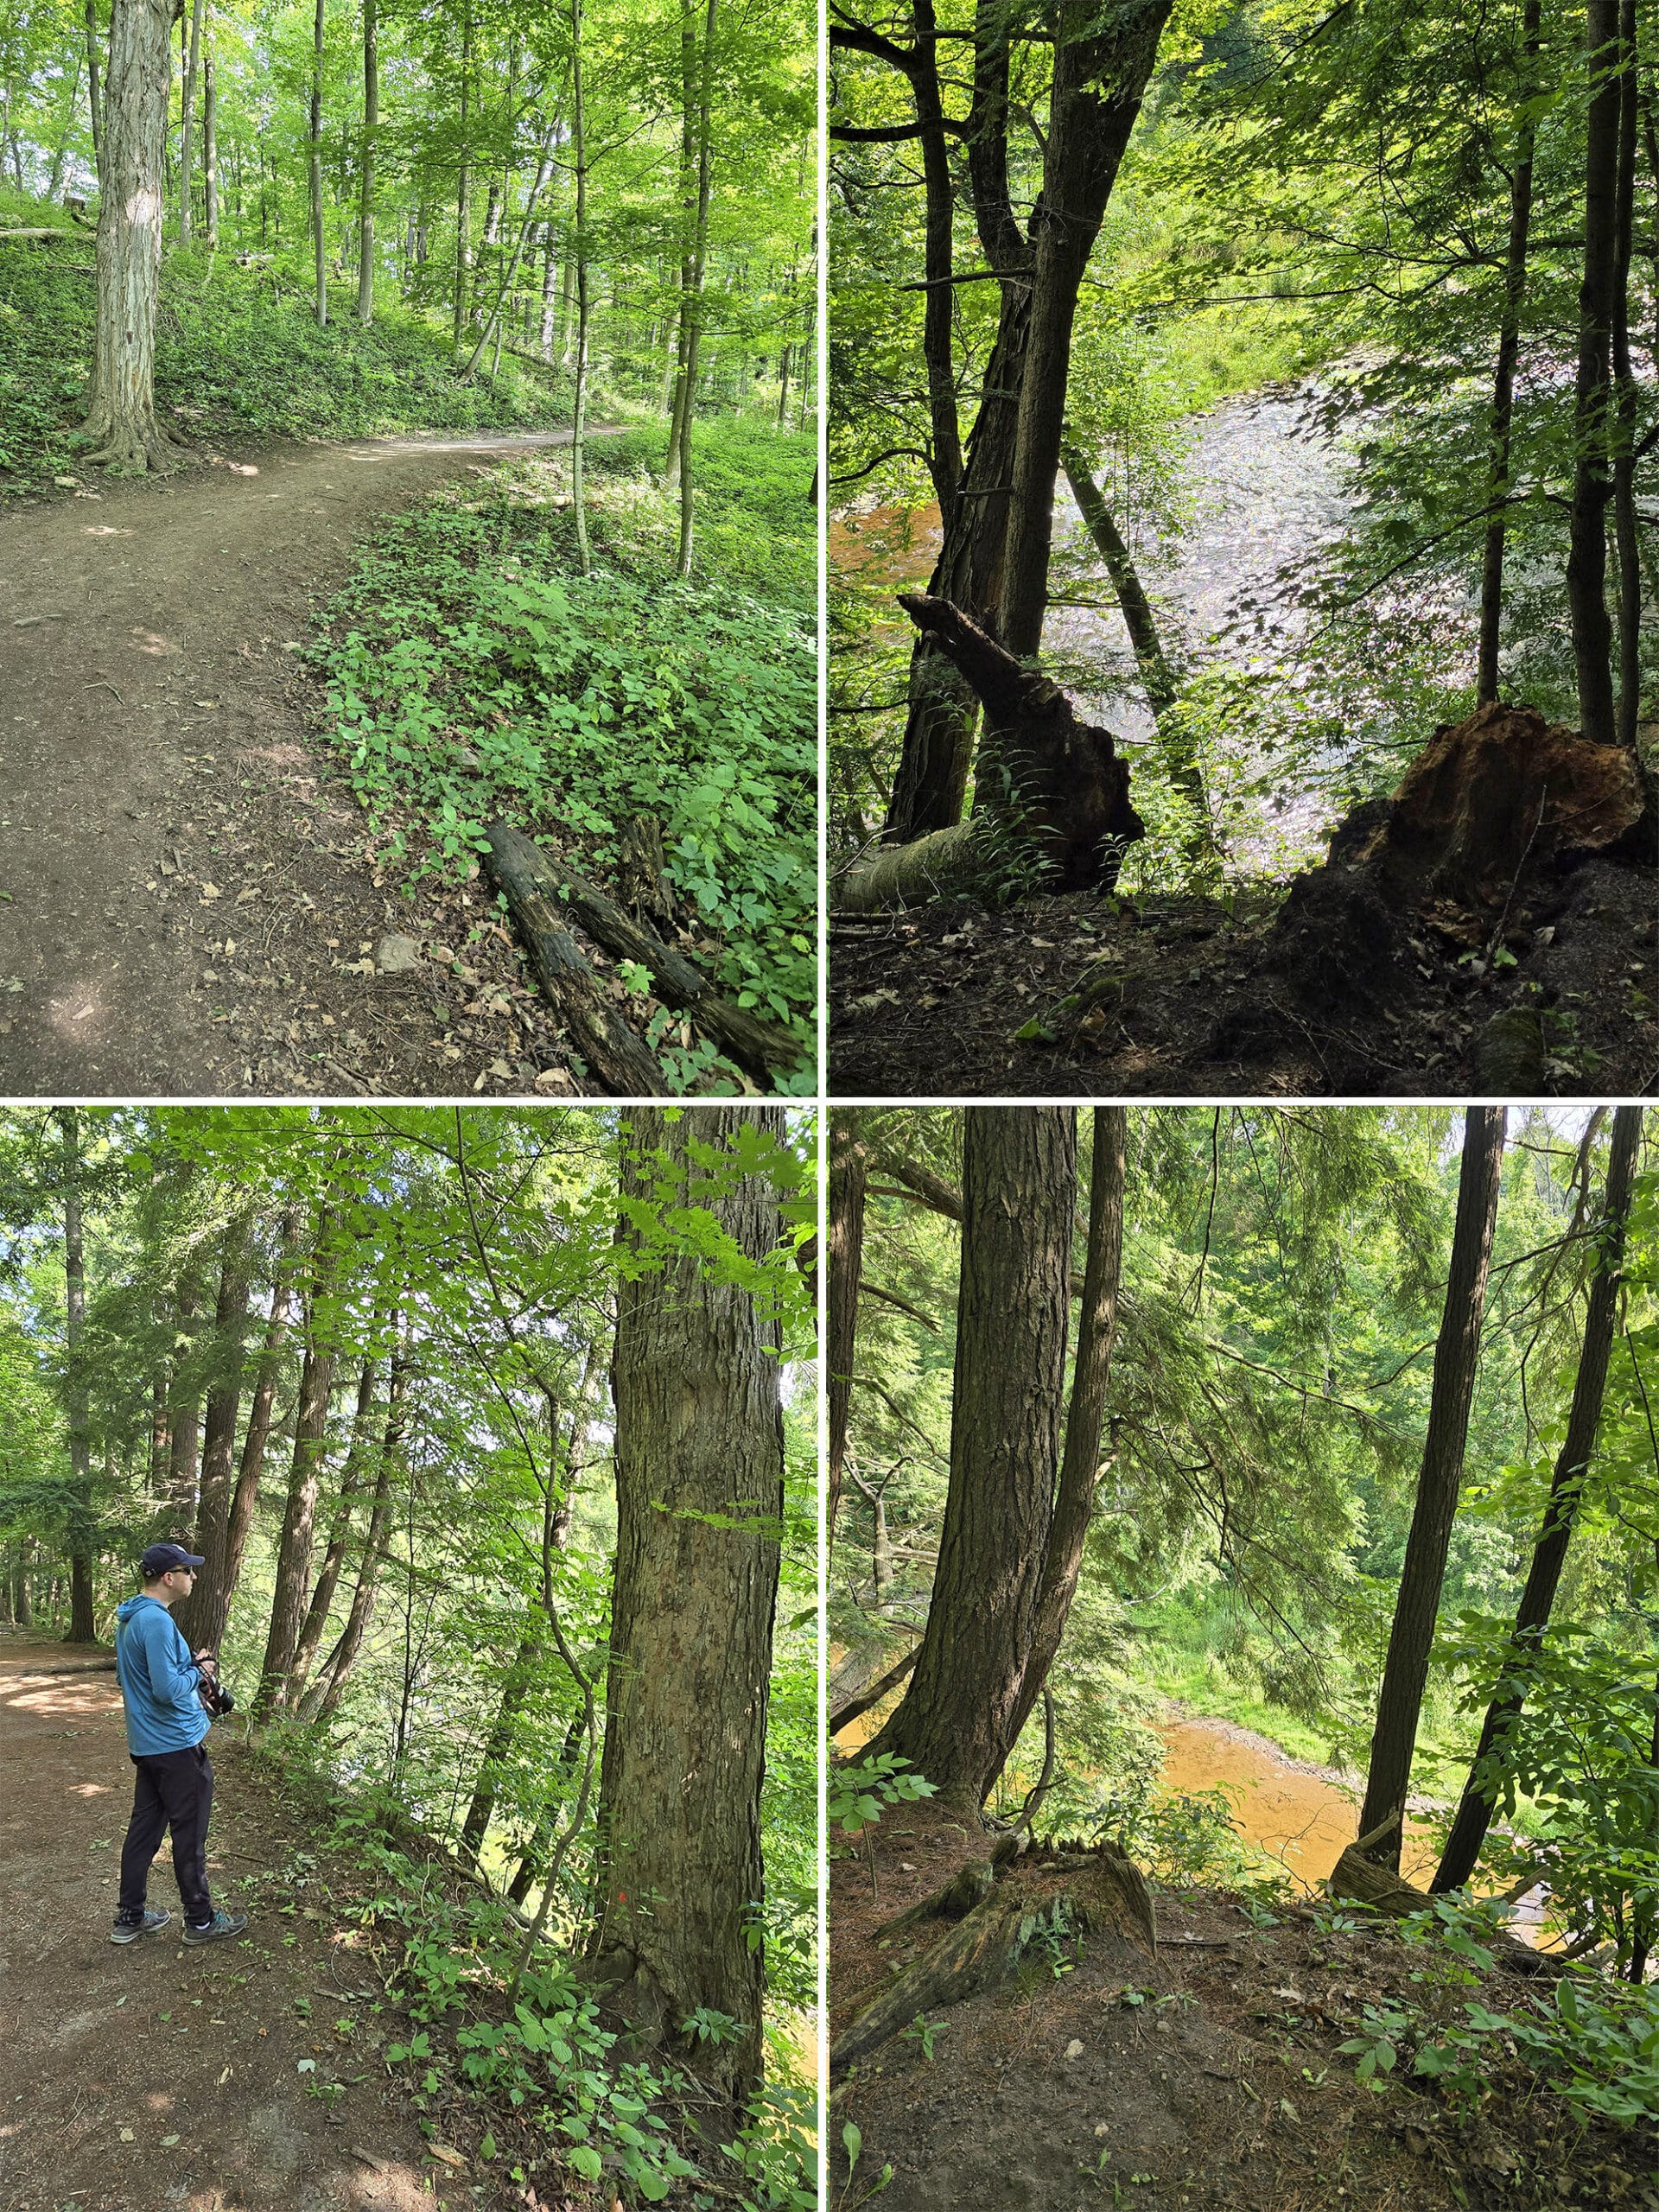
(1243, 1597)
(403, 1378)
(1292, 395)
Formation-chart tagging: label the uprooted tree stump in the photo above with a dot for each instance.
(1490, 809)
(985, 1948)
(1367, 1881)
(1051, 786)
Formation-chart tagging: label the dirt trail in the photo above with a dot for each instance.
(153, 2079)
(185, 901)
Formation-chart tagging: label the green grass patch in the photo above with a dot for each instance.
(238, 350)
(473, 672)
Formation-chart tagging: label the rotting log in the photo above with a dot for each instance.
(759, 1048)
(984, 1950)
(1367, 1882)
(640, 872)
(1048, 784)
(617, 1054)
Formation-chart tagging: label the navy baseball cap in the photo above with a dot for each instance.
(161, 1559)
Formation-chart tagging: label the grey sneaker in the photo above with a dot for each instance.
(128, 1931)
(218, 1930)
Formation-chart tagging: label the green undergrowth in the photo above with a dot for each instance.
(519, 2046)
(238, 350)
(473, 672)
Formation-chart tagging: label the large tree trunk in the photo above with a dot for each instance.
(310, 1434)
(1566, 1487)
(365, 198)
(198, 1614)
(1586, 563)
(121, 424)
(1456, 1355)
(700, 1486)
(1051, 788)
(1625, 392)
(82, 1626)
(1099, 81)
(323, 1698)
(848, 1165)
(1508, 348)
(1085, 1412)
(959, 1716)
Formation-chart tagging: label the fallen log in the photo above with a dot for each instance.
(984, 1950)
(1369, 1882)
(759, 1048)
(1052, 796)
(50, 230)
(617, 1056)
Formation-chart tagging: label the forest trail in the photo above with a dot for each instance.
(166, 795)
(140, 2079)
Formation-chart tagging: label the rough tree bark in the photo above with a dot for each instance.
(699, 1482)
(1456, 1354)
(1566, 1487)
(959, 1717)
(121, 425)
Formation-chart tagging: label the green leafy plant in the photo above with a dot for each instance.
(861, 1791)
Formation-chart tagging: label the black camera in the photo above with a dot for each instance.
(215, 1695)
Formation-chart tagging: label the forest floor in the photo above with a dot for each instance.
(141, 2079)
(926, 1003)
(1206, 2078)
(190, 903)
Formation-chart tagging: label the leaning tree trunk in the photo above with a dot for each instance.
(1586, 562)
(121, 424)
(1456, 1354)
(958, 1721)
(1052, 791)
(352, 1483)
(1567, 1485)
(82, 1626)
(322, 1699)
(848, 1164)
(699, 1460)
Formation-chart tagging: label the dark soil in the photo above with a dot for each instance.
(925, 1004)
(1208, 2078)
(189, 903)
(151, 2077)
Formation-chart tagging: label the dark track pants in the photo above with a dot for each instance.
(175, 1790)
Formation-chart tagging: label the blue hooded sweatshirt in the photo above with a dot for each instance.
(158, 1680)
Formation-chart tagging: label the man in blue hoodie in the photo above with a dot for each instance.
(167, 1723)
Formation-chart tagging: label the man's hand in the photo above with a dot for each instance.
(204, 1660)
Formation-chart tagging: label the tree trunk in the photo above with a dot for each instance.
(121, 424)
(351, 1488)
(315, 169)
(1051, 788)
(958, 1719)
(848, 1165)
(311, 1432)
(1567, 1487)
(209, 153)
(463, 190)
(680, 402)
(938, 313)
(1586, 562)
(694, 299)
(1456, 1355)
(82, 1627)
(323, 1698)
(1508, 348)
(365, 199)
(1099, 81)
(60, 155)
(1625, 392)
(1085, 1412)
(198, 1613)
(699, 1460)
(94, 91)
(187, 124)
(184, 1413)
(579, 412)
